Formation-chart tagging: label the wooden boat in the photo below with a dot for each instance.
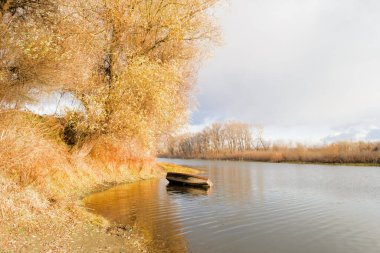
(188, 179)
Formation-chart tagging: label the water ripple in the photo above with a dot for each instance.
(254, 207)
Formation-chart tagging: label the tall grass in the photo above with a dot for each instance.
(337, 153)
(29, 154)
(41, 180)
(33, 153)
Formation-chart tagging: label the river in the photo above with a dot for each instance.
(254, 208)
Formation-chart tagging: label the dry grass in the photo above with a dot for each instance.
(41, 181)
(337, 153)
(168, 167)
(31, 223)
(30, 155)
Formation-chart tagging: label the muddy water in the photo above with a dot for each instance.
(253, 207)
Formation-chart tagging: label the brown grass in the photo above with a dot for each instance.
(42, 180)
(336, 153)
(168, 167)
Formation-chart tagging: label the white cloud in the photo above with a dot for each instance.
(295, 64)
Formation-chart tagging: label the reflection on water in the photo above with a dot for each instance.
(254, 207)
(188, 190)
(146, 207)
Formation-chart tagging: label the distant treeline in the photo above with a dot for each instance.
(237, 141)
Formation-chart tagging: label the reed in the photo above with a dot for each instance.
(42, 181)
(336, 153)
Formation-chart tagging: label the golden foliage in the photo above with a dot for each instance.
(145, 55)
(31, 51)
(130, 64)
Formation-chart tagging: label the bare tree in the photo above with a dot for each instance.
(219, 138)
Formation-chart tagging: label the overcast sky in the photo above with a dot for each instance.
(307, 70)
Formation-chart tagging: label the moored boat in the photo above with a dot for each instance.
(188, 179)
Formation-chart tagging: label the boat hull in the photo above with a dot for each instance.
(188, 179)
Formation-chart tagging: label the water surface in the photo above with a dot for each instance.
(253, 207)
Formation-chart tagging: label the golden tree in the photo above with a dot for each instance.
(130, 64)
(31, 50)
(145, 56)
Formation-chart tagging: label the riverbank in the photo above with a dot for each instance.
(285, 162)
(354, 154)
(42, 182)
(168, 167)
(32, 222)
